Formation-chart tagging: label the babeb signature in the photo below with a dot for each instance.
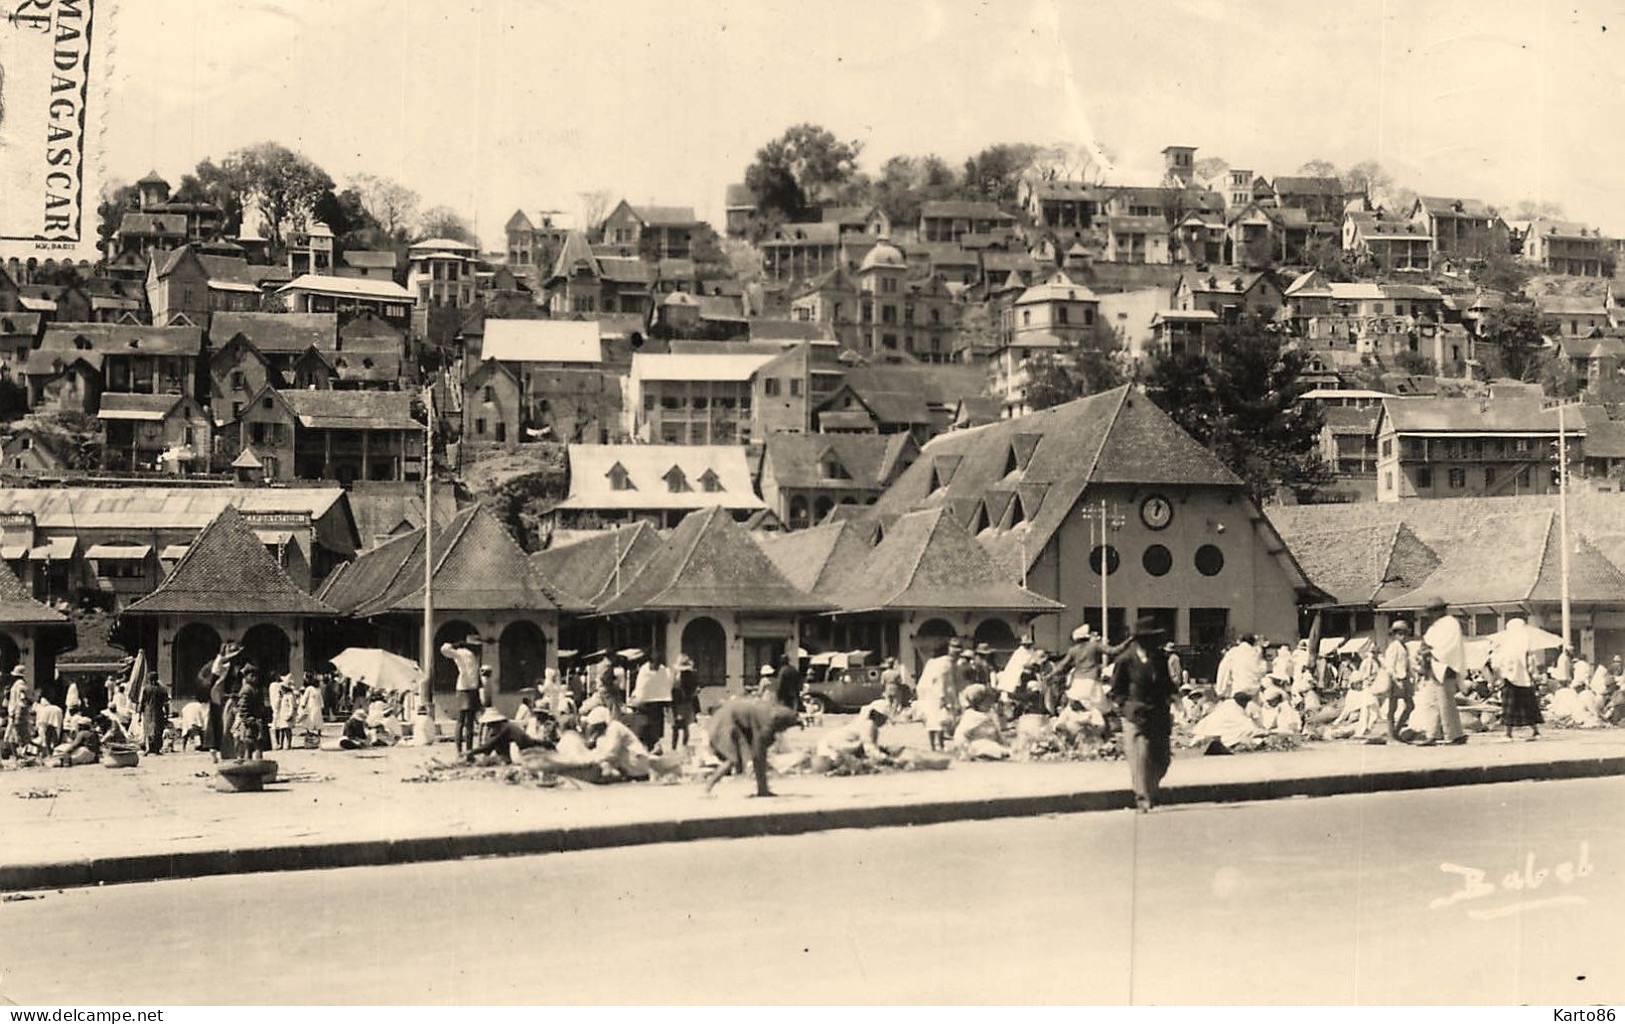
(1476, 884)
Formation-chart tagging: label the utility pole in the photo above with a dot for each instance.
(426, 691)
(1101, 521)
(1563, 514)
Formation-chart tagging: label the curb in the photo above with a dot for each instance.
(151, 867)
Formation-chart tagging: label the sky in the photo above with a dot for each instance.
(493, 105)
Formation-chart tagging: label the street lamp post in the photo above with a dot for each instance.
(1100, 521)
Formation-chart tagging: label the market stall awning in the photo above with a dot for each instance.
(129, 552)
(275, 536)
(14, 552)
(55, 549)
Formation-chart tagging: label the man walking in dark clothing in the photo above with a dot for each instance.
(1142, 692)
(788, 686)
(743, 728)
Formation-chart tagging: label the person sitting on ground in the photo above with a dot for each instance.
(1279, 716)
(83, 745)
(114, 730)
(615, 746)
(1360, 715)
(358, 735)
(1587, 707)
(1231, 723)
(499, 735)
(1613, 708)
(977, 735)
(744, 729)
(860, 739)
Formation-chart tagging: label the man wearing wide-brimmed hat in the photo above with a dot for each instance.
(1142, 692)
(466, 656)
(1396, 667)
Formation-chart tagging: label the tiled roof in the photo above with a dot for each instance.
(797, 459)
(284, 333)
(228, 571)
(561, 341)
(739, 196)
(172, 225)
(802, 554)
(1341, 420)
(370, 259)
(741, 366)
(383, 510)
(17, 605)
(1469, 415)
(1112, 437)
(379, 410)
(666, 216)
(1444, 206)
(709, 561)
(477, 566)
(647, 467)
(968, 209)
(229, 271)
(926, 560)
(1316, 186)
(599, 566)
(19, 323)
(349, 287)
(124, 338)
(117, 406)
(1365, 565)
(627, 270)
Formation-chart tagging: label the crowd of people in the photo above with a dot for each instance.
(628, 715)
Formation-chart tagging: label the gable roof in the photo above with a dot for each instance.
(968, 209)
(277, 333)
(599, 565)
(1113, 437)
(228, 567)
(665, 216)
(1313, 186)
(796, 459)
(109, 339)
(702, 366)
(17, 605)
(1445, 206)
(927, 560)
(349, 287)
(477, 566)
(549, 341)
(710, 561)
(1367, 565)
(352, 410)
(118, 406)
(1470, 416)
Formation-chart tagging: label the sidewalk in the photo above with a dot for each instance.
(165, 819)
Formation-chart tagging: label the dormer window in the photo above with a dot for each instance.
(710, 483)
(830, 468)
(619, 478)
(676, 481)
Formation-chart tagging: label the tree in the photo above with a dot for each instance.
(116, 201)
(220, 185)
(995, 173)
(1515, 336)
(1501, 272)
(1529, 209)
(1240, 400)
(1557, 376)
(795, 171)
(444, 222)
(1209, 167)
(1318, 168)
(391, 205)
(1094, 365)
(594, 208)
(1325, 253)
(1066, 161)
(283, 185)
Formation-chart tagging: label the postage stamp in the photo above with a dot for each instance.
(52, 91)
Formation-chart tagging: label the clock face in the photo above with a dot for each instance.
(1156, 512)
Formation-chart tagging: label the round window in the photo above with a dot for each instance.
(1209, 560)
(1157, 560)
(1112, 559)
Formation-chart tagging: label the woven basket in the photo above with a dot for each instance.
(120, 757)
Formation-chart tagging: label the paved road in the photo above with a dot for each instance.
(1340, 900)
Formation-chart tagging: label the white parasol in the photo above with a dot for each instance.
(379, 669)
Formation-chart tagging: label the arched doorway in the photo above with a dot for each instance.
(9, 655)
(195, 646)
(445, 673)
(930, 640)
(706, 644)
(997, 634)
(523, 655)
(267, 648)
(798, 512)
(821, 509)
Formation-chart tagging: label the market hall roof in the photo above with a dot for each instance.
(709, 561)
(228, 571)
(600, 565)
(477, 566)
(18, 607)
(73, 508)
(640, 476)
